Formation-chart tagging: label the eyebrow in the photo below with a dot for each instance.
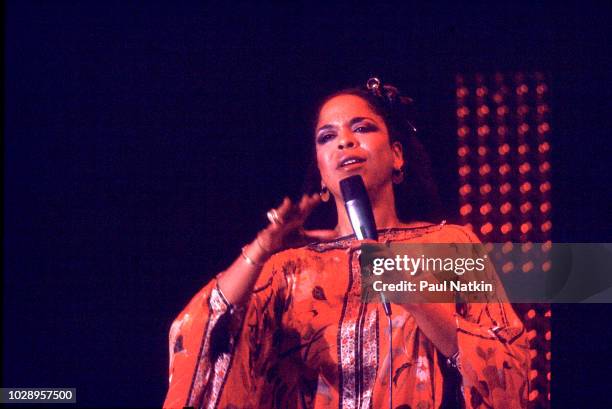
(352, 122)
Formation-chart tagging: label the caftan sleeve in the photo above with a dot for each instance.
(493, 356)
(221, 355)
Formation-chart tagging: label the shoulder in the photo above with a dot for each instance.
(449, 233)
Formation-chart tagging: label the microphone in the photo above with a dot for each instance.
(359, 210)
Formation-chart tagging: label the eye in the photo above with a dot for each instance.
(365, 128)
(321, 139)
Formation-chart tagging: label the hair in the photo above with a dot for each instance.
(416, 197)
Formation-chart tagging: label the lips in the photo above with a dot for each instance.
(350, 160)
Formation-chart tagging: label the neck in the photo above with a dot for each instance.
(383, 207)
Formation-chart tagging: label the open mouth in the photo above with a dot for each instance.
(350, 161)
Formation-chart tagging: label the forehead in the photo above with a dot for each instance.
(343, 108)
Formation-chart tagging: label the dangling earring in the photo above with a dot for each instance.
(324, 193)
(398, 176)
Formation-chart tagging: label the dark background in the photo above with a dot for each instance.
(144, 144)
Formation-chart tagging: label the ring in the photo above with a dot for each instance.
(273, 217)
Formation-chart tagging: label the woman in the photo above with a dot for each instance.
(284, 325)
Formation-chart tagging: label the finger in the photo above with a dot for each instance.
(308, 204)
(284, 209)
(320, 234)
(356, 245)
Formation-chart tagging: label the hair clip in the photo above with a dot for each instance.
(374, 86)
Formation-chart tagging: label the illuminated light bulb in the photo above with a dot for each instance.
(463, 131)
(547, 336)
(507, 247)
(465, 189)
(508, 267)
(548, 314)
(483, 110)
(465, 209)
(462, 151)
(543, 128)
(526, 247)
(463, 112)
(484, 130)
(469, 226)
(545, 207)
(503, 149)
(462, 92)
(498, 98)
(525, 187)
(546, 246)
(525, 227)
(502, 130)
(484, 169)
(502, 110)
(524, 168)
(523, 129)
(485, 189)
(503, 169)
(542, 109)
(523, 149)
(522, 109)
(544, 167)
(543, 147)
(481, 91)
(485, 209)
(533, 353)
(525, 207)
(533, 395)
(506, 187)
(546, 266)
(488, 247)
(542, 88)
(464, 170)
(527, 267)
(546, 226)
(505, 208)
(486, 228)
(531, 314)
(522, 89)
(533, 374)
(545, 187)
(548, 355)
(506, 228)
(482, 150)
(548, 378)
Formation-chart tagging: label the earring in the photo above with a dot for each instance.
(398, 176)
(324, 193)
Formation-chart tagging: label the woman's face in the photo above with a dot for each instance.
(352, 139)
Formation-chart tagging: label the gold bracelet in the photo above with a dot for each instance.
(248, 259)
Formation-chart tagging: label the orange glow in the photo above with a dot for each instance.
(484, 130)
(503, 169)
(481, 91)
(545, 187)
(503, 149)
(485, 209)
(525, 227)
(545, 207)
(498, 98)
(485, 189)
(462, 151)
(531, 314)
(484, 169)
(505, 208)
(547, 336)
(482, 150)
(548, 355)
(508, 267)
(524, 168)
(544, 167)
(506, 187)
(546, 246)
(465, 189)
(507, 247)
(525, 187)
(522, 89)
(486, 228)
(506, 228)
(527, 267)
(462, 112)
(542, 88)
(483, 110)
(525, 207)
(523, 129)
(542, 109)
(502, 130)
(531, 334)
(523, 148)
(546, 226)
(462, 92)
(533, 374)
(522, 109)
(543, 127)
(465, 209)
(546, 266)
(464, 170)
(526, 247)
(463, 131)
(533, 353)
(543, 147)
(533, 395)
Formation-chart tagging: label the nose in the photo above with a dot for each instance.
(347, 140)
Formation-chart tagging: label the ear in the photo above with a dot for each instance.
(398, 155)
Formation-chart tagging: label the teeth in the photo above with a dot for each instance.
(351, 161)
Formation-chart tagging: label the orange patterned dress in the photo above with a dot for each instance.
(306, 340)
